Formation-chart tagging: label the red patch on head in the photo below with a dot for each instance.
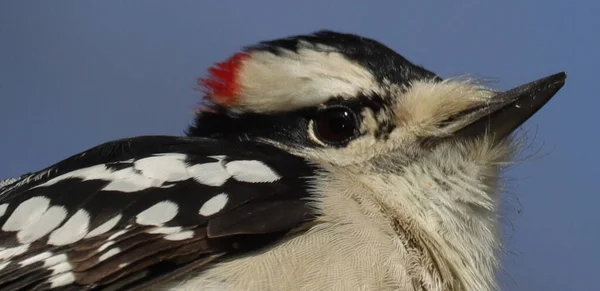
(222, 81)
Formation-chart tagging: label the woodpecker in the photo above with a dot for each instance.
(324, 161)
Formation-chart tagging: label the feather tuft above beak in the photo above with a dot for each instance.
(505, 111)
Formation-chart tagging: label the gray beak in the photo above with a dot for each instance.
(509, 109)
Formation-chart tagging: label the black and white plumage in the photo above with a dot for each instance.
(320, 162)
(137, 202)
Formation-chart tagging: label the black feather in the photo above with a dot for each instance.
(254, 215)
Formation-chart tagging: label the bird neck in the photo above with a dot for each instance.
(444, 211)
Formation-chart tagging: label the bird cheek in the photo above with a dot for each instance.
(368, 122)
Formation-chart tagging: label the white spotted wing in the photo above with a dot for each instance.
(135, 211)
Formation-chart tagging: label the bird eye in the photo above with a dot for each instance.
(335, 125)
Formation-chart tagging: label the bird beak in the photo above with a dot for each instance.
(506, 111)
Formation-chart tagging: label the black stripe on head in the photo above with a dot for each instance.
(286, 127)
(380, 60)
(289, 128)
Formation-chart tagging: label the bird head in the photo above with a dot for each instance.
(344, 100)
(424, 152)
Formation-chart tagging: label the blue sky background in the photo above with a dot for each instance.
(74, 74)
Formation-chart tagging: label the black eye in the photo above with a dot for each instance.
(335, 125)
